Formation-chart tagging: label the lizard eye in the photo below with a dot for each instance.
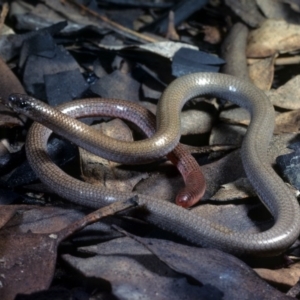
(19, 101)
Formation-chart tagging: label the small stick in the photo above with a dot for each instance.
(117, 27)
(171, 31)
(96, 216)
(287, 60)
(4, 12)
(209, 148)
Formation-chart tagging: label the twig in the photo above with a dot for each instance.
(96, 216)
(171, 31)
(115, 26)
(287, 60)
(209, 149)
(4, 12)
(138, 3)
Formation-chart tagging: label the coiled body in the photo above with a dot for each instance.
(269, 186)
(194, 180)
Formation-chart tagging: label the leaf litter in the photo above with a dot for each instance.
(92, 55)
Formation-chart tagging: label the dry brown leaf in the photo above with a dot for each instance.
(212, 34)
(274, 36)
(261, 72)
(7, 212)
(286, 96)
(288, 276)
(28, 247)
(8, 118)
(27, 262)
(29, 242)
(288, 122)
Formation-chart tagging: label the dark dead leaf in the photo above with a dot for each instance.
(278, 10)
(10, 160)
(152, 61)
(124, 15)
(70, 13)
(64, 86)
(186, 61)
(24, 254)
(163, 183)
(62, 152)
(38, 66)
(182, 10)
(57, 293)
(280, 145)
(7, 196)
(93, 12)
(29, 244)
(128, 270)
(289, 165)
(117, 85)
(227, 134)
(166, 48)
(294, 4)
(234, 278)
(247, 11)
(10, 45)
(295, 290)
(41, 44)
(9, 83)
(28, 247)
(95, 216)
(244, 215)
(233, 135)
(229, 169)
